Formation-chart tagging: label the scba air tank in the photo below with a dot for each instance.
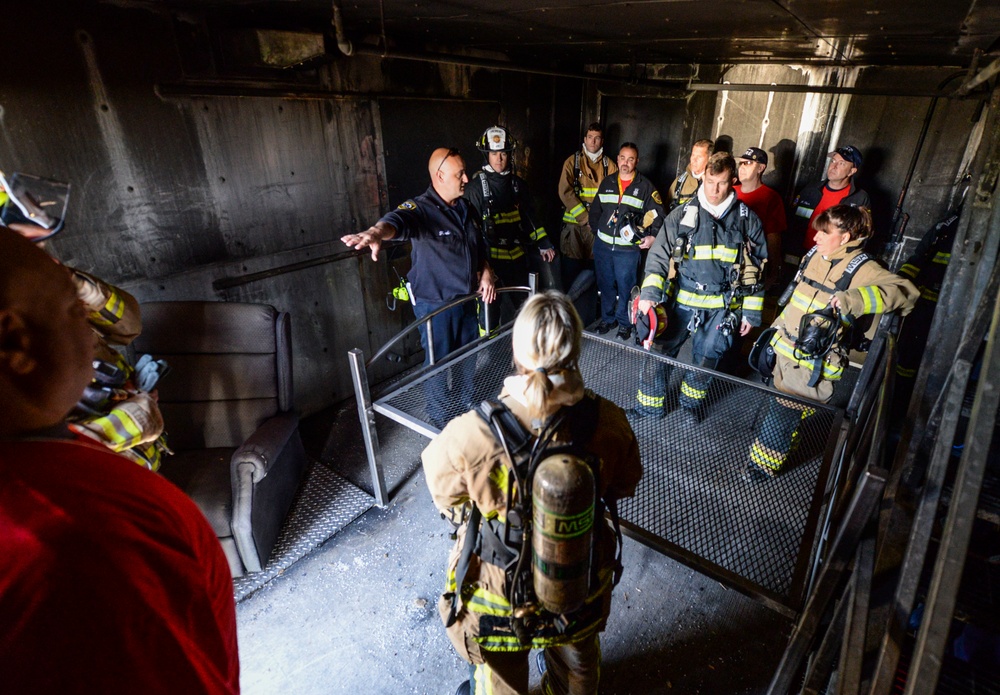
(562, 499)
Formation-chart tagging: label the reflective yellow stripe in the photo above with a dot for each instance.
(909, 270)
(830, 372)
(119, 429)
(714, 253)
(803, 211)
(538, 234)
(507, 217)
(766, 457)
(613, 240)
(701, 301)
(942, 258)
(649, 401)
(632, 201)
(928, 293)
(805, 303)
(692, 392)
(506, 254)
(871, 300)
(608, 198)
(482, 680)
(588, 193)
(905, 372)
(654, 280)
(112, 311)
(499, 477)
(574, 213)
(753, 303)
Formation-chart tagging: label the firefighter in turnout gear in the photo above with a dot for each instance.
(503, 206)
(707, 266)
(115, 409)
(685, 187)
(628, 212)
(487, 604)
(581, 174)
(926, 268)
(837, 279)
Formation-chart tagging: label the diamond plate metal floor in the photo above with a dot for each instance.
(692, 502)
(326, 503)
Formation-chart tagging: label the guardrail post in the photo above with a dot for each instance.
(532, 283)
(366, 414)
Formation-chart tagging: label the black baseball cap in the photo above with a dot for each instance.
(755, 154)
(850, 153)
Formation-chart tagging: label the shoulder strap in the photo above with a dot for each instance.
(806, 258)
(606, 162)
(517, 436)
(680, 184)
(852, 268)
(583, 420)
(576, 168)
(487, 196)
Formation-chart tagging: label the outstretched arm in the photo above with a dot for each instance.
(371, 238)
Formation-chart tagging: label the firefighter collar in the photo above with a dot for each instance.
(716, 211)
(567, 389)
(594, 157)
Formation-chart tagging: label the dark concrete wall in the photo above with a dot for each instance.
(173, 192)
(189, 166)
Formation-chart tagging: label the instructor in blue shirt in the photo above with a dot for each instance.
(449, 260)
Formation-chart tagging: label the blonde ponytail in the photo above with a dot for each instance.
(546, 340)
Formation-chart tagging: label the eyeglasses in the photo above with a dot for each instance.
(745, 163)
(452, 152)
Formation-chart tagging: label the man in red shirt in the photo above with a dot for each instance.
(112, 581)
(764, 201)
(838, 189)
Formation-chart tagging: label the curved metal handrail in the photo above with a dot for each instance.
(416, 323)
(359, 374)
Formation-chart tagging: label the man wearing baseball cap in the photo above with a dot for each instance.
(764, 201)
(838, 189)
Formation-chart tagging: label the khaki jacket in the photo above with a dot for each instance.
(132, 426)
(874, 290)
(687, 190)
(591, 175)
(466, 463)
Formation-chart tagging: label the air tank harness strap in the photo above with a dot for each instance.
(468, 549)
(612, 505)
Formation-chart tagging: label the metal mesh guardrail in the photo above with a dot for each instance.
(692, 502)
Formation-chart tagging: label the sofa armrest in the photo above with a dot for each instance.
(262, 448)
(266, 472)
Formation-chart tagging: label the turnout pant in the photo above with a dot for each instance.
(451, 330)
(571, 669)
(709, 344)
(510, 273)
(778, 434)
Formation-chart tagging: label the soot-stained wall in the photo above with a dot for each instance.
(188, 168)
(192, 169)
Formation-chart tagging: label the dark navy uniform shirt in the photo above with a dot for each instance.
(448, 250)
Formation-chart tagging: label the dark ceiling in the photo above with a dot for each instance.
(569, 33)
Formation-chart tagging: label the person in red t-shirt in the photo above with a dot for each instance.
(764, 201)
(837, 189)
(112, 580)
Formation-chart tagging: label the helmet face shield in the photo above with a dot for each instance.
(34, 202)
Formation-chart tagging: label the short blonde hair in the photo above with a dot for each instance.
(546, 339)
